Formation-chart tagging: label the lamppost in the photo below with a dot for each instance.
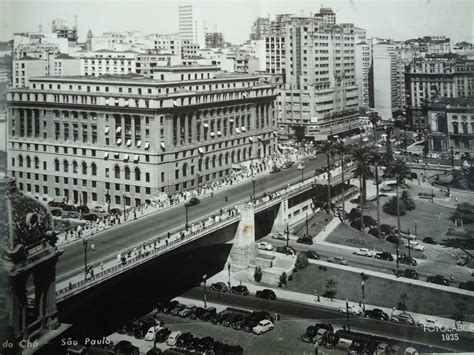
(363, 294)
(85, 242)
(253, 189)
(228, 268)
(452, 161)
(204, 277)
(107, 200)
(306, 221)
(186, 207)
(287, 235)
(415, 230)
(124, 211)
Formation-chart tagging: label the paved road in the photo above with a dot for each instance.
(111, 242)
(295, 311)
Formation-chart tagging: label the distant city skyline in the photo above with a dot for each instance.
(399, 20)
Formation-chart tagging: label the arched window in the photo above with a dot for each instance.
(28, 162)
(56, 165)
(74, 167)
(20, 160)
(232, 157)
(84, 168)
(185, 170)
(137, 174)
(220, 159)
(200, 164)
(65, 166)
(117, 172)
(37, 163)
(93, 169)
(127, 173)
(214, 161)
(206, 165)
(226, 158)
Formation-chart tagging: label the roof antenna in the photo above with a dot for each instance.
(75, 22)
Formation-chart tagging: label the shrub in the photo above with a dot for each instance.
(374, 232)
(369, 221)
(407, 200)
(390, 207)
(386, 228)
(356, 224)
(301, 261)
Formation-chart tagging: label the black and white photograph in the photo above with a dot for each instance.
(229, 177)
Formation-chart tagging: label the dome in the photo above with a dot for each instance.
(27, 221)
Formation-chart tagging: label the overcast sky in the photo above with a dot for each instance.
(399, 20)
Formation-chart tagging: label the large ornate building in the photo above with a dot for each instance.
(122, 140)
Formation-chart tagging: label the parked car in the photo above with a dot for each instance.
(115, 211)
(238, 322)
(205, 344)
(228, 319)
(162, 335)
(187, 311)
(464, 260)
(408, 273)
(254, 318)
(275, 169)
(415, 246)
(357, 346)
(90, 217)
(71, 214)
(219, 286)
(384, 256)
(151, 333)
(429, 240)
(439, 279)
(208, 314)
(407, 260)
(305, 240)
(179, 307)
(125, 347)
(83, 209)
(287, 165)
(403, 317)
(363, 252)
(265, 246)
(376, 313)
(266, 294)
(168, 307)
(193, 201)
(184, 340)
(309, 335)
(69, 208)
(56, 212)
(311, 254)
(338, 260)
(430, 323)
(468, 285)
(56, 204)
(240, 290)
(320, 333)
(352, 309)
(262, 327)
(286, 251)
(300, 167)
(173, 338)
(280, 236)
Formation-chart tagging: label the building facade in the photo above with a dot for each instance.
(260, 28)
(191, 25)
(214, 40)
(123, 141)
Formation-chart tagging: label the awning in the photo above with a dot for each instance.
(251, 139)
(129, 143)
(118, 130)
(116, 101)
(175, 104)
(219, 133)
(136, 158)
(116, 155)
(126, 157)
(259, 138)
(106, 130)
(244, 129)
(126, 103)
(119, 141)
(139, 144)
(106, 155)
(231, 120)
(162, 145)
(212, 134)
(201, 151)
(147, 145)
(237, 130)
(205, 125)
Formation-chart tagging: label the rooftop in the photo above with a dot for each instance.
(454, 101)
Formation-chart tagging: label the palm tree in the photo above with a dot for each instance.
(328, 149)
(362, 171)
(376, 160)
(374, 119)
(343, 151)
(400, 171)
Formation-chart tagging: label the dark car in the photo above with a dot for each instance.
(124, 347)
(384, 256)
(56, 212)
(275, 169)
(376, 313)
(193, 201)
(240, 290)
(184, 340)
(217, 318)
(254, 318)
(309, 335)
(228, 319)
(371, 346)
(249, 324)
(305, 240)
(239, 322)
(408, 273)
(162, 335)
(219, 286)
(90, 217)
(311, 254)
(468, 285)
(56, 204)
(205, 344)
(178, 308)
(168, 307)
(357, 346)
(429, 240)
(439, 279)
(208, 314)
(83, 209)
(115, 211)
(193, 344)
(70, 208)
(407, 260)
(198, 312)
(266, 294)
(286, 250)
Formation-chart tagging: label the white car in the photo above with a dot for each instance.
(429, 323)
(151, 333)
(300, 167)
(262, 327)
(363, 252)
(280, 236)
(173, 337)
(265, 246)
(353, 309)
(365, 139)
(415, 246)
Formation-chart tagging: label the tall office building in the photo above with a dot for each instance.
(260, 28)
(191, 25)
(319, 97)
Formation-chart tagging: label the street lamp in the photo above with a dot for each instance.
(228, 268)
(186, 207)
(306, 221)
(204, 277)
(452, 161)
(287, 235)
(253, 189)
(85, 242)
(124, 211)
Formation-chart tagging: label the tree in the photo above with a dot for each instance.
(400, 171)
(301, 261)
(342, 150)
(402, 303)
(406, 199)
(376, 160)
(328, 149)
(390, 207)
(363, 172)
(460, 309)
(331, 291)
(257, 274)
(369, 221)
(388, 147)
(374, 118)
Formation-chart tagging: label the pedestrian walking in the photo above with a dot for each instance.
(316, 347)
(226, 199)
(219, 295)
